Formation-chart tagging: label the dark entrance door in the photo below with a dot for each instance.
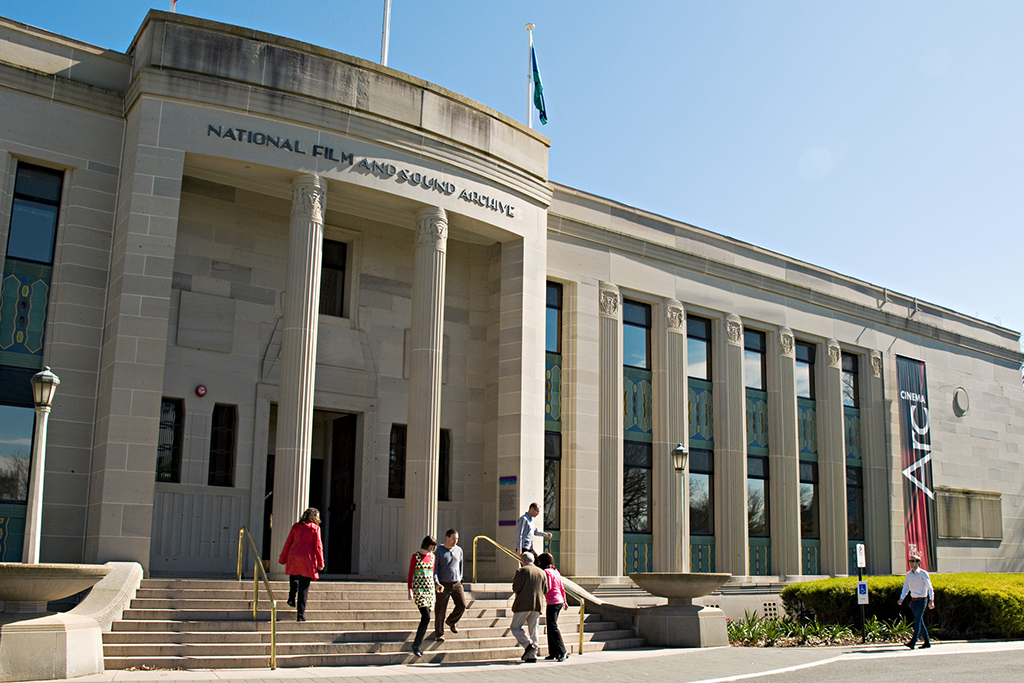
(342, 495)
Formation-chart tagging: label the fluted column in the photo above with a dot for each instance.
(298, 355)
(784, 462)
(670, 520)
(610, 409)
(877, 501)
(832, 466)
(422, 439)
(731, 465)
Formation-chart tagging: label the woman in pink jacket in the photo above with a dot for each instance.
(556, 601)
(303, 558)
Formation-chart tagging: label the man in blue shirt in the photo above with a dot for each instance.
(448, 572)
(526, 529)
(919, 586)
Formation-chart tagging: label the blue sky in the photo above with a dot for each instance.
(883, 140)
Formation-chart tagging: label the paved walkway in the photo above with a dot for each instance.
(711, 665)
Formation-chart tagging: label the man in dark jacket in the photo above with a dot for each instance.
(529, 584)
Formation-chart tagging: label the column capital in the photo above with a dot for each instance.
(835, 354)
(675, 316)
(786, 342)
(876, 364)
(432, 228)
(733, 330)
(309, 197)
(609, 300)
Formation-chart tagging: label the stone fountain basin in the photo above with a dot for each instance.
(679, 587)
(41, 583)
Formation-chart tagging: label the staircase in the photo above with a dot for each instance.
(207, 624)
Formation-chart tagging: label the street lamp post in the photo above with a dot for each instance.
(44, 385)
(679, 455)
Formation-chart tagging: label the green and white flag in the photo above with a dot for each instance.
(538, 87)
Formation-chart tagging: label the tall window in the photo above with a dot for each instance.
(222, 446)
(444, 467)
(850, 382)
(169, 440)
(698, 348)
(702, 492)
(34, 214)
(809, 500)
(553, 327)
(757, 497)
(552, 481)
(854, 503)
(805, 370)
(16, 430)
(396, 462)
(553, 409)
(636, 488)
(754, 365)
(636, 335)
(636, 355)
(332, 279)
(28, 269)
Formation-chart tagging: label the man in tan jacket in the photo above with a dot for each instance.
(529, 584)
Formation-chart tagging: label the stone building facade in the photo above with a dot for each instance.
(271, 276)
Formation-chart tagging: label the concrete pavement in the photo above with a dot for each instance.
(703, 666)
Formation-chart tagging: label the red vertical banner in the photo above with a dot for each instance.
(916, 462)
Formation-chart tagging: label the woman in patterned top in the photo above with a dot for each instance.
(423, 587)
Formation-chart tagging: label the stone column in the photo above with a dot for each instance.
(670, 520)
(731, 453)
(610, 409)
(580, 430)
(521, 379)
(832, 465)
(784, 462)
(298, 357)
(122, 470)
(422, 448)
(877, 500)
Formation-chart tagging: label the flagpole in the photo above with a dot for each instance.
(387, 33)
(174, 6)
(529, 76)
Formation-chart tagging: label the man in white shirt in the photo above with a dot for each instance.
(919, 586)
(526, 529)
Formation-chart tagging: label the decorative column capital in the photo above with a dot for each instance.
(432, 228)
(675, 316)
(876, 364)
(608, 297)
(835, 354)
(786, 342)
(309, 197)
(733, 329)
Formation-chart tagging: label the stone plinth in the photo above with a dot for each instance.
(37, 646)
(681, 623)
(26, 588)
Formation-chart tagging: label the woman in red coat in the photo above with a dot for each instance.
(303, 558)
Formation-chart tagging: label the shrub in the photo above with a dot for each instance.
(966, 605)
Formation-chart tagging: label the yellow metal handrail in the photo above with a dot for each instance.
(257, 574)
(516, 558)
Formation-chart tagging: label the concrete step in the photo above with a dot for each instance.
(140, 638)
(312, 647)
(592, 624)
(284, 614)
(315, 602)
(246, 583)
(433, 652)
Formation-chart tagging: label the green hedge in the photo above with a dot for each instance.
(966, 605)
